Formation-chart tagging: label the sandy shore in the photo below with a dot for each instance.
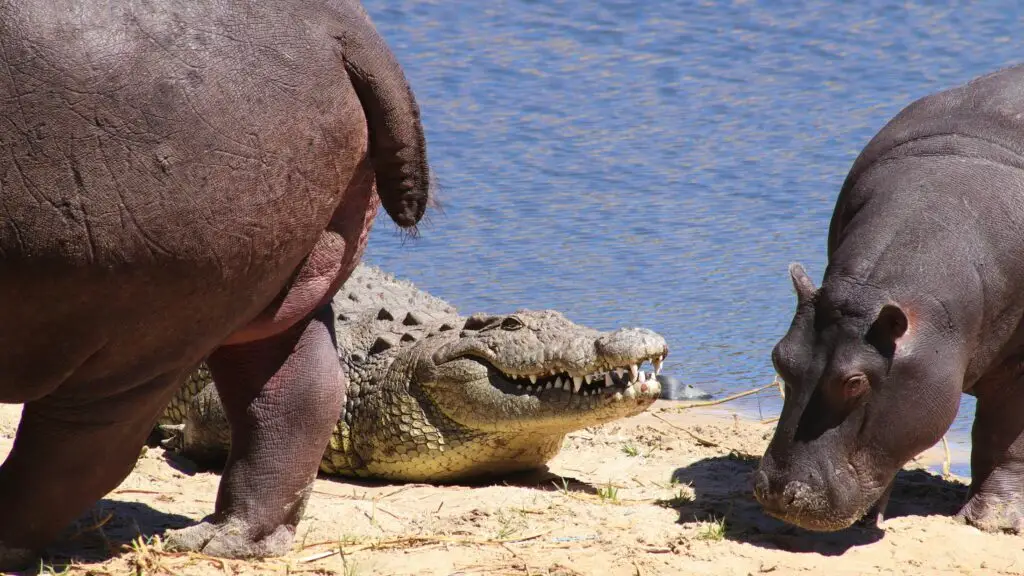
(666, 492)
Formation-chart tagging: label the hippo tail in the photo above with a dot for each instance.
(398, 148)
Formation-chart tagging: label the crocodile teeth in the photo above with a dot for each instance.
(586, 378)
(550, 386)
(607, 380)
(533, 379)
(657, 365)
(577, 382)
(553, 371)
(619, 372)
(558, 382)
(633, 369)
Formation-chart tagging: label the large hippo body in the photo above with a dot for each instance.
(922, 300)
(180, 180)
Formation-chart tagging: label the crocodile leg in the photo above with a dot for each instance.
(282, 397)
(94, 441)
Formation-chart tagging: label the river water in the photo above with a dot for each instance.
(660, 163)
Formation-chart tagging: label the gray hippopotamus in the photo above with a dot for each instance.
(921, 301)
(180, 180)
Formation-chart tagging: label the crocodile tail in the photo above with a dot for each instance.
(397, 146)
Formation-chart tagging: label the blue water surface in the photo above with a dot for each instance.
(660, 163)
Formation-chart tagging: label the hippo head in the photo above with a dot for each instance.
(869, 383)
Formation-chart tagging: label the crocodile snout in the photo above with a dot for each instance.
(631, 344)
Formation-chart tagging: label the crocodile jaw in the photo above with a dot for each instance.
(478, 396)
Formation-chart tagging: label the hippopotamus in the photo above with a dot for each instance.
(921, 301)
(184, 180)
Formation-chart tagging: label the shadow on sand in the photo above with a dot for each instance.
(538, 479)
(105, 531)
(723, 490)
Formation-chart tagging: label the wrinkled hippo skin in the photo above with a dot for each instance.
(184, 180)
(921, 301)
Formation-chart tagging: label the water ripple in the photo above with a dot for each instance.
(659, 163)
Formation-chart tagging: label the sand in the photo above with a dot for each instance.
(665, 492)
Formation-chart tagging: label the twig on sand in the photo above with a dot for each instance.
(403, 489)
(704, 441)
(393, 542)
(726, 399)
(137, 491)
(97, 527)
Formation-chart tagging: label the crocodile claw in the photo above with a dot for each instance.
(173, 436)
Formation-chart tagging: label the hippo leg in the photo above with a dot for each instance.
(282, 396)
(996, 498)
(93, 442)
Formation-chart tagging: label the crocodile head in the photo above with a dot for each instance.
(537, 371)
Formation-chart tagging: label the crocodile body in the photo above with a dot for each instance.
(434, 396)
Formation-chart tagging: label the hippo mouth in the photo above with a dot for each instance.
(827, 507)
(801, 506)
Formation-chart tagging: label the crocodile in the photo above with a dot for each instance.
(434, 396)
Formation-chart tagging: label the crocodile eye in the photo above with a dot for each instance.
(511, 323)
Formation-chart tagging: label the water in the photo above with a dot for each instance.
(660, 163)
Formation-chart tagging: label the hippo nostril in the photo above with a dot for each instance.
(796, 494)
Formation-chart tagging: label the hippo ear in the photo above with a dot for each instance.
(801, 282)
(890, 325)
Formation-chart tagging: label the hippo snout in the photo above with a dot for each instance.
(794, 499)
(803, 496)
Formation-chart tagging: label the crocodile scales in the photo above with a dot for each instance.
(434, 396)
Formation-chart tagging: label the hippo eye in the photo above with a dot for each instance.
(855, 386)
(511, 323)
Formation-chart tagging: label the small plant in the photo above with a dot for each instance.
(608, 492)
(48, 570)
(507, 525)
(351, 567)
(146, 554)
(713, 530)
(564, 488)
(630, 450)
(683, 496)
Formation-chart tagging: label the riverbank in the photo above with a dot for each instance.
(665, 492)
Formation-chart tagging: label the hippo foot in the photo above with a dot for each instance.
(993, 514)
(231, 539)
(16, 558)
